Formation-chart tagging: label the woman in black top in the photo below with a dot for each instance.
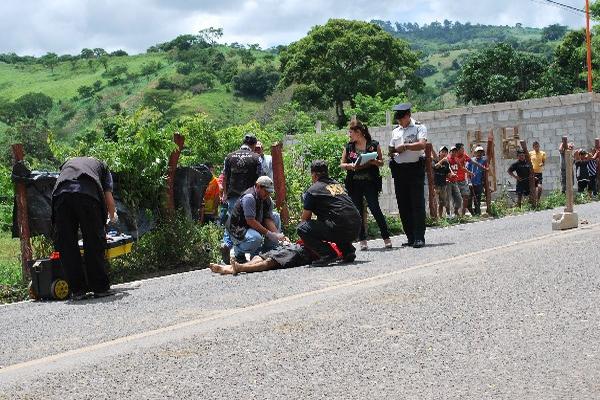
(364, 181)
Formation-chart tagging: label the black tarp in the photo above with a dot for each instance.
(189, 187)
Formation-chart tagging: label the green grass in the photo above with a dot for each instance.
(12, 287)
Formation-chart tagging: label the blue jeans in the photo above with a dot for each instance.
(254, 242)
(230, 204)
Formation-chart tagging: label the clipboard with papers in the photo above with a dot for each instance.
(365, 158)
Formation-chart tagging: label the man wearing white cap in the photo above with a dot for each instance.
(250, 224)
(477, 179)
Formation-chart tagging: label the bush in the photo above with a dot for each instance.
(150, 68)
(175, 243)
(6, 198)
(256, 82)
(115, 71)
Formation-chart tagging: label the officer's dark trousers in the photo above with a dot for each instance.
(314, 234)
(73, 211)
(409, 185)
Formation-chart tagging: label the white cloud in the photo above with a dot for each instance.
(66, 26)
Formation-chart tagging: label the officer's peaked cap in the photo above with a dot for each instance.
(402, 107)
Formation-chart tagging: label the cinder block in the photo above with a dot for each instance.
(565, 220)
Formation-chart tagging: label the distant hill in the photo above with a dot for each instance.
(188, 75)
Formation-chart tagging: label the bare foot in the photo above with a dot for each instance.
(221, 269)
(235, 267)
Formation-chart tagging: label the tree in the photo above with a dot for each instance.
(162, 100)
(256, 82)
(336, 61)
(33, 105)
(104, 61)
(87, 53)
(247, 57)
(210, 35)
(50, 60)
(499, 74)
(554, 32)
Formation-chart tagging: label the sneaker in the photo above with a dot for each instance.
(418, 244)
(78, 296)
(324, 261)
(226, 254)
(408, 244)
(348, 258)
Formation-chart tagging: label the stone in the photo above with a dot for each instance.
(565, 220)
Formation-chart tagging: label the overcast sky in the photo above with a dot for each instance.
(66, 26)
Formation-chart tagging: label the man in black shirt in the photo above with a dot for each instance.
(241, 170)
(523, 170)
(81, 199)
(441, 170)
(338, 220)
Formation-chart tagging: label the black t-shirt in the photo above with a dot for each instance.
(441, 173)
(582, 171)
(522, 168)
(328, 200)
(241, 170)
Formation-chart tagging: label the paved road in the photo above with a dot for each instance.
(499, 309)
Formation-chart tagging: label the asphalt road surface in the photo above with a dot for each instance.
(504, 309)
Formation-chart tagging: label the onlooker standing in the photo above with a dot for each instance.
(266, 160)
(582, 174)
(523, 170)
(364, 181)
(477, 177)
(212, 199)
(407, 149)
(458, 164)
(538, 160)
(454, 192)
(241, 170)
(441, 170)
(81, 199)
(593, 171)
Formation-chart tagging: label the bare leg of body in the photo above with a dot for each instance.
(257, 264)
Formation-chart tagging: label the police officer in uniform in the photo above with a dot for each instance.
(407, 152)
(241, 170)
(338, 219)
(81, 199)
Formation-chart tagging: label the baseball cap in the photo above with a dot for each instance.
(250, 139)
(266, 183)
(520, 151)
(443, 148)
(453, 148)
(478, 148)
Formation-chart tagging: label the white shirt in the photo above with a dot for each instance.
(413, 133)
(267, 165)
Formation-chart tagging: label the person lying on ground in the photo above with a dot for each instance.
(289, 255)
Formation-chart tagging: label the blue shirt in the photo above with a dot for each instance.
(477, 178)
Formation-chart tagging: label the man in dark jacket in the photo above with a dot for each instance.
(82, 199)
(338, 219)
(240, 172)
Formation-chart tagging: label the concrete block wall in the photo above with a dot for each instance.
(545, 120)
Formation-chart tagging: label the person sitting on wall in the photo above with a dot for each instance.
(250, 224)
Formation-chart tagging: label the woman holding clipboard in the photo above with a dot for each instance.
(362, 159)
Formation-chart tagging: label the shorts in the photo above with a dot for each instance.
(454, 193)
(538, 178)
(442, 195)
(523, 187)
(288, 256)
(464, 188)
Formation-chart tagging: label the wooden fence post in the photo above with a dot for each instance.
(22, 216)
(532, 188)
(318, 125)
(279, 182)
(486, 174)
(172, 168)
(597, 147)
(433, 209)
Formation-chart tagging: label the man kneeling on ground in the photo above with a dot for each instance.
(289, 255)
(338, 219)
(251, 225)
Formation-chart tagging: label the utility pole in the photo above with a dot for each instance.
(589, 44)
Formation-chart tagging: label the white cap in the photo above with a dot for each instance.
(478, 148)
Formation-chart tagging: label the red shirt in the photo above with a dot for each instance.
(457, 166)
